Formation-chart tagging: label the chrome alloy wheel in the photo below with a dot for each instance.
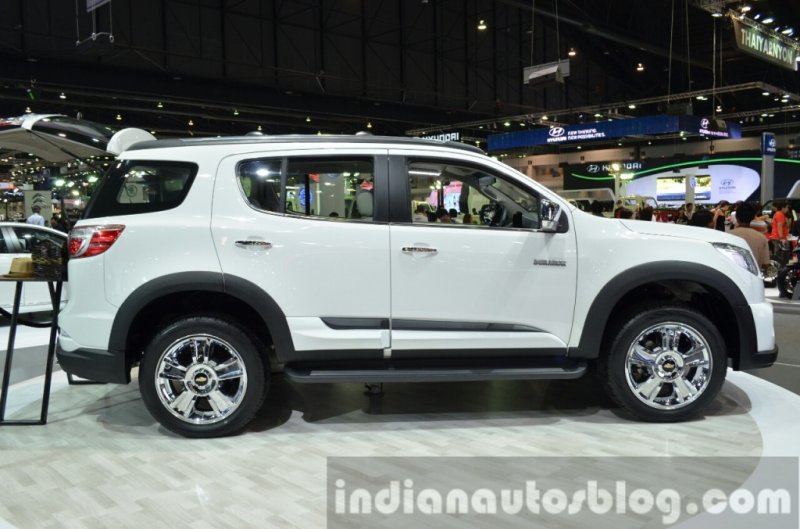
(668, 366)
(201, 379)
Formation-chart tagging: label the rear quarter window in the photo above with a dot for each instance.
(136, 186)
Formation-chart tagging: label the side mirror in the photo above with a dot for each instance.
(550, 214)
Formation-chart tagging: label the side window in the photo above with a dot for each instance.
(135, 186)
(454, 194)
(261, 183)
(3, 247)
(330, 187)
(27, 237)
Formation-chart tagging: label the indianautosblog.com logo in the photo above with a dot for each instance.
(562, 492)
(403, 498)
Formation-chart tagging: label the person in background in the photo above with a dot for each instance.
(443, 216)
(689, 210)
(745, 213)
(420, 214)
(468, 219)
(759, 222)
(597, 208)
(720, 214)
(454, 216)
(780, 222)
(35, 218)
(702, 218)
(59, 222)
(646, 213)
(625, 213)
(681, 217)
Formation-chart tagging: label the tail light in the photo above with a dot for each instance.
(86, 241)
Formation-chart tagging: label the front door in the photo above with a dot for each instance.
(471, 272)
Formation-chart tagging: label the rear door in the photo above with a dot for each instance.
(482, 280)
(311, 231)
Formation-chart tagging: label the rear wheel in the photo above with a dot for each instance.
(202, 377)
(665, 364)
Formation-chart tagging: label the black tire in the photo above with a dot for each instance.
(786, 282)
(213, 361)
(621, 380)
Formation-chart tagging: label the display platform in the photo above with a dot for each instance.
(102, 461)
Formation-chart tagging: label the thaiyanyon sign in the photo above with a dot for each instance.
(765, 46)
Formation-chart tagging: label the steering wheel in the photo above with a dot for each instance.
(500, 215)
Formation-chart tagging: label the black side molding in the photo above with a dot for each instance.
(453, 371)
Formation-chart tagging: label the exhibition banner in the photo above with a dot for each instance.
(606, 130)
(766, 46)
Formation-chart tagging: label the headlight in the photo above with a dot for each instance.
(741, 256)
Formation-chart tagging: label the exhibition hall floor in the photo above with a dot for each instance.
(102, 461)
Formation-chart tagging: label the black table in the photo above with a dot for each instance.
(54, 286)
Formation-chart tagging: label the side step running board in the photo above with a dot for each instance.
(310, 374)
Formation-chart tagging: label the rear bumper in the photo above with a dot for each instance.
(759, 360)
(94, 364)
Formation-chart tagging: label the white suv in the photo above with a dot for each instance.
(212, 263)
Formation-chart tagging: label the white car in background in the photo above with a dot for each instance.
(15, 241)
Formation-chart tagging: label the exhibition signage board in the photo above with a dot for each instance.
(733, 177)
(769, 145)
(606, 130)
(765, 46)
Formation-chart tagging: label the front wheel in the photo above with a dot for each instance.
(771, 273)
(202, 377)
(665, 364)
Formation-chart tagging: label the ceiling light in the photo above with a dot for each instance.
(631, 106)
(598, 115)
(788, 32)
(701, 98)
(191, 123)
(768, 20)
(160, 105)
(482, 25)
(308, 119)
(507, 124)
(764, 94)
(119, 117)
(235, 112)
(62, 95)
(545, 118)
(745, 8)
(640, 67)
(259, 128)
(719, 108)
(572, 52)
(757, 16)
(369, 124)
(27, 110)
(716, 14)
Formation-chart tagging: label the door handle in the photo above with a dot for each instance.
(253, 245)
(420, 250)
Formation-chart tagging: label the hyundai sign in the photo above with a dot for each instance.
(606, 130)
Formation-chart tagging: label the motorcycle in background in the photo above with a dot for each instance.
(779, 255)
(788, 276)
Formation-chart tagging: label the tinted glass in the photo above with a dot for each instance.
(333, 188)
(134, 186)
(260, 181)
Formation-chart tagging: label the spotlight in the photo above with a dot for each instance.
(745, 8)
(191, 123)
(235, 112)
(160, 105)
(717, 14)
(119, 117)
(482, 25)
(632, 106)
(369, 124)
(572, 52)
(640, 67)
(768, 20)
(62, 95)
(308, 119)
